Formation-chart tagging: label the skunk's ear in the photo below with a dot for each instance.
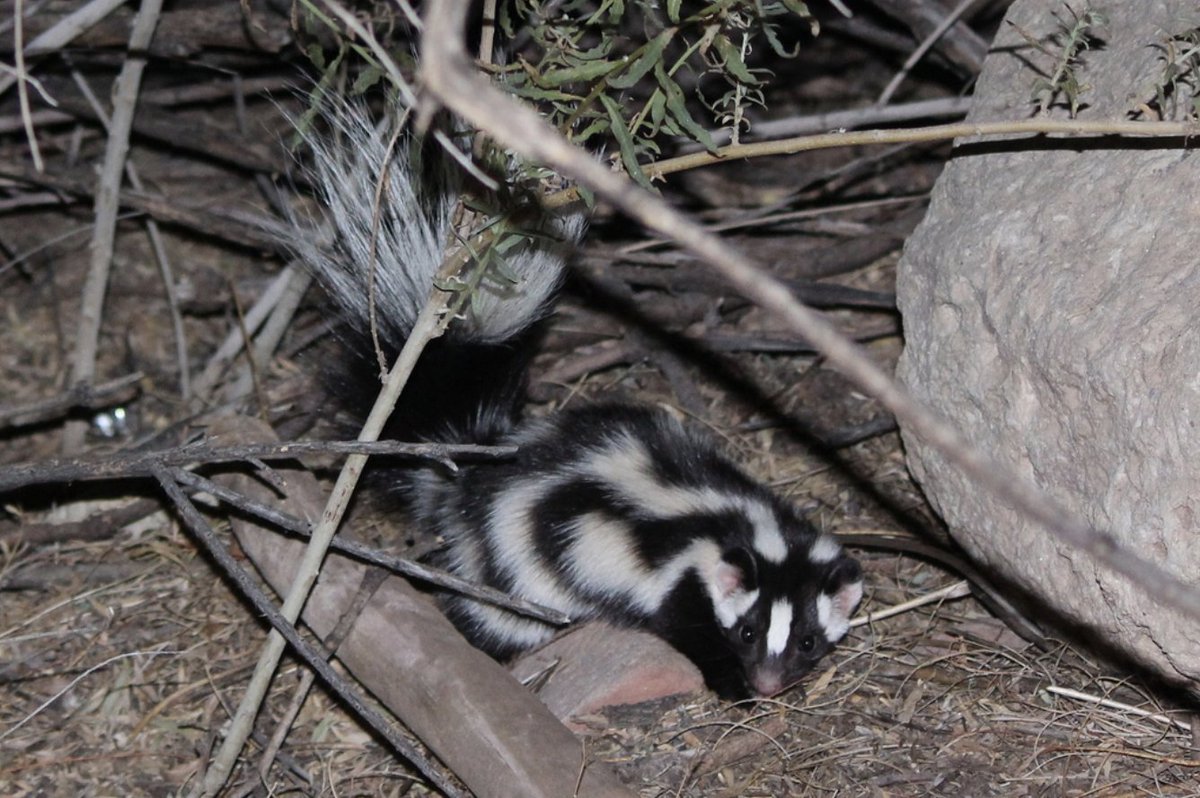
(843, 585)
(736, 572)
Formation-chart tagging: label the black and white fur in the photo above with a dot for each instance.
(618, 512)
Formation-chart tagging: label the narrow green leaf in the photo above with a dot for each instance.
(673, 10)
(733, 60)
(583, 72)
(595, 16)
(658, 110)
(799, 8)
(505, 18)
(644, 63)
(499, 267)
(597, 126)
(602, 49)
(624, 142)
(475, 298)
(677, 106)
(368, 78)
(776, 45)
(316, 55)
(451, 285)
(535, 93)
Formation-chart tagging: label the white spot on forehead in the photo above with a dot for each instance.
(833, 623)
(768, 540)
(780, 628)
(824, 549)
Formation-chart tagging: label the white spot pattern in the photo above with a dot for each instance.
(825, 549)
(780, 628)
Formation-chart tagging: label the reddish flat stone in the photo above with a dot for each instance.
(596, 666)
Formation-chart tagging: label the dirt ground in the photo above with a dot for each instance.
(123, 653)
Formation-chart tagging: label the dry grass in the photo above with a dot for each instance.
(119, 673)
(122, 656)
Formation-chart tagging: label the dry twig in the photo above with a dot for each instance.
(112, 392)
(429, 324)
(451, 79)
(286, 631)
(64, 32)
(156, 245)
(83, 367)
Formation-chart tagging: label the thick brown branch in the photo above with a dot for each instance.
(314, 658)
(143, 464)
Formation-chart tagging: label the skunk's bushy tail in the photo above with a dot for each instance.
(388, 212)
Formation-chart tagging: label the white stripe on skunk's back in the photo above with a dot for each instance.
(627, 466)
(602, 560)
(510, 529)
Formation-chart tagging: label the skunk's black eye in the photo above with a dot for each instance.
(808, 643)
(747, 633)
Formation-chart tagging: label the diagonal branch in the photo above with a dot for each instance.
(285, 629)
(125, 92)
(448, 76)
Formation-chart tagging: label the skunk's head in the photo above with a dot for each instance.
(781, 617)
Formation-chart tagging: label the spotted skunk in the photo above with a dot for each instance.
(614, 511)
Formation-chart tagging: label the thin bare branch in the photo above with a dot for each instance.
(399, 565)
(450, 77)
(924, 48)
(65, 30)
(156, 245)
(273, 330)
(20, 75)
(236, 339)
(238, 228)
(83, 368)
(948, 132)
(108, 393)
(851, 118)
(429, 324)
(141, 464)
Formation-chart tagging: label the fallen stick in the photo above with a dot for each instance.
(489, 730)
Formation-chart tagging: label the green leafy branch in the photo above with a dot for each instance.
(1070, 41)
(1180, 76)
(596, 86)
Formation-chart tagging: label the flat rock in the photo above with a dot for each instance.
(1050, 302)
(596, 666)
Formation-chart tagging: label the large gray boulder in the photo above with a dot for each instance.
(1051, 303)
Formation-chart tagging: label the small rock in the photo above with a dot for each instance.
(595, 666)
